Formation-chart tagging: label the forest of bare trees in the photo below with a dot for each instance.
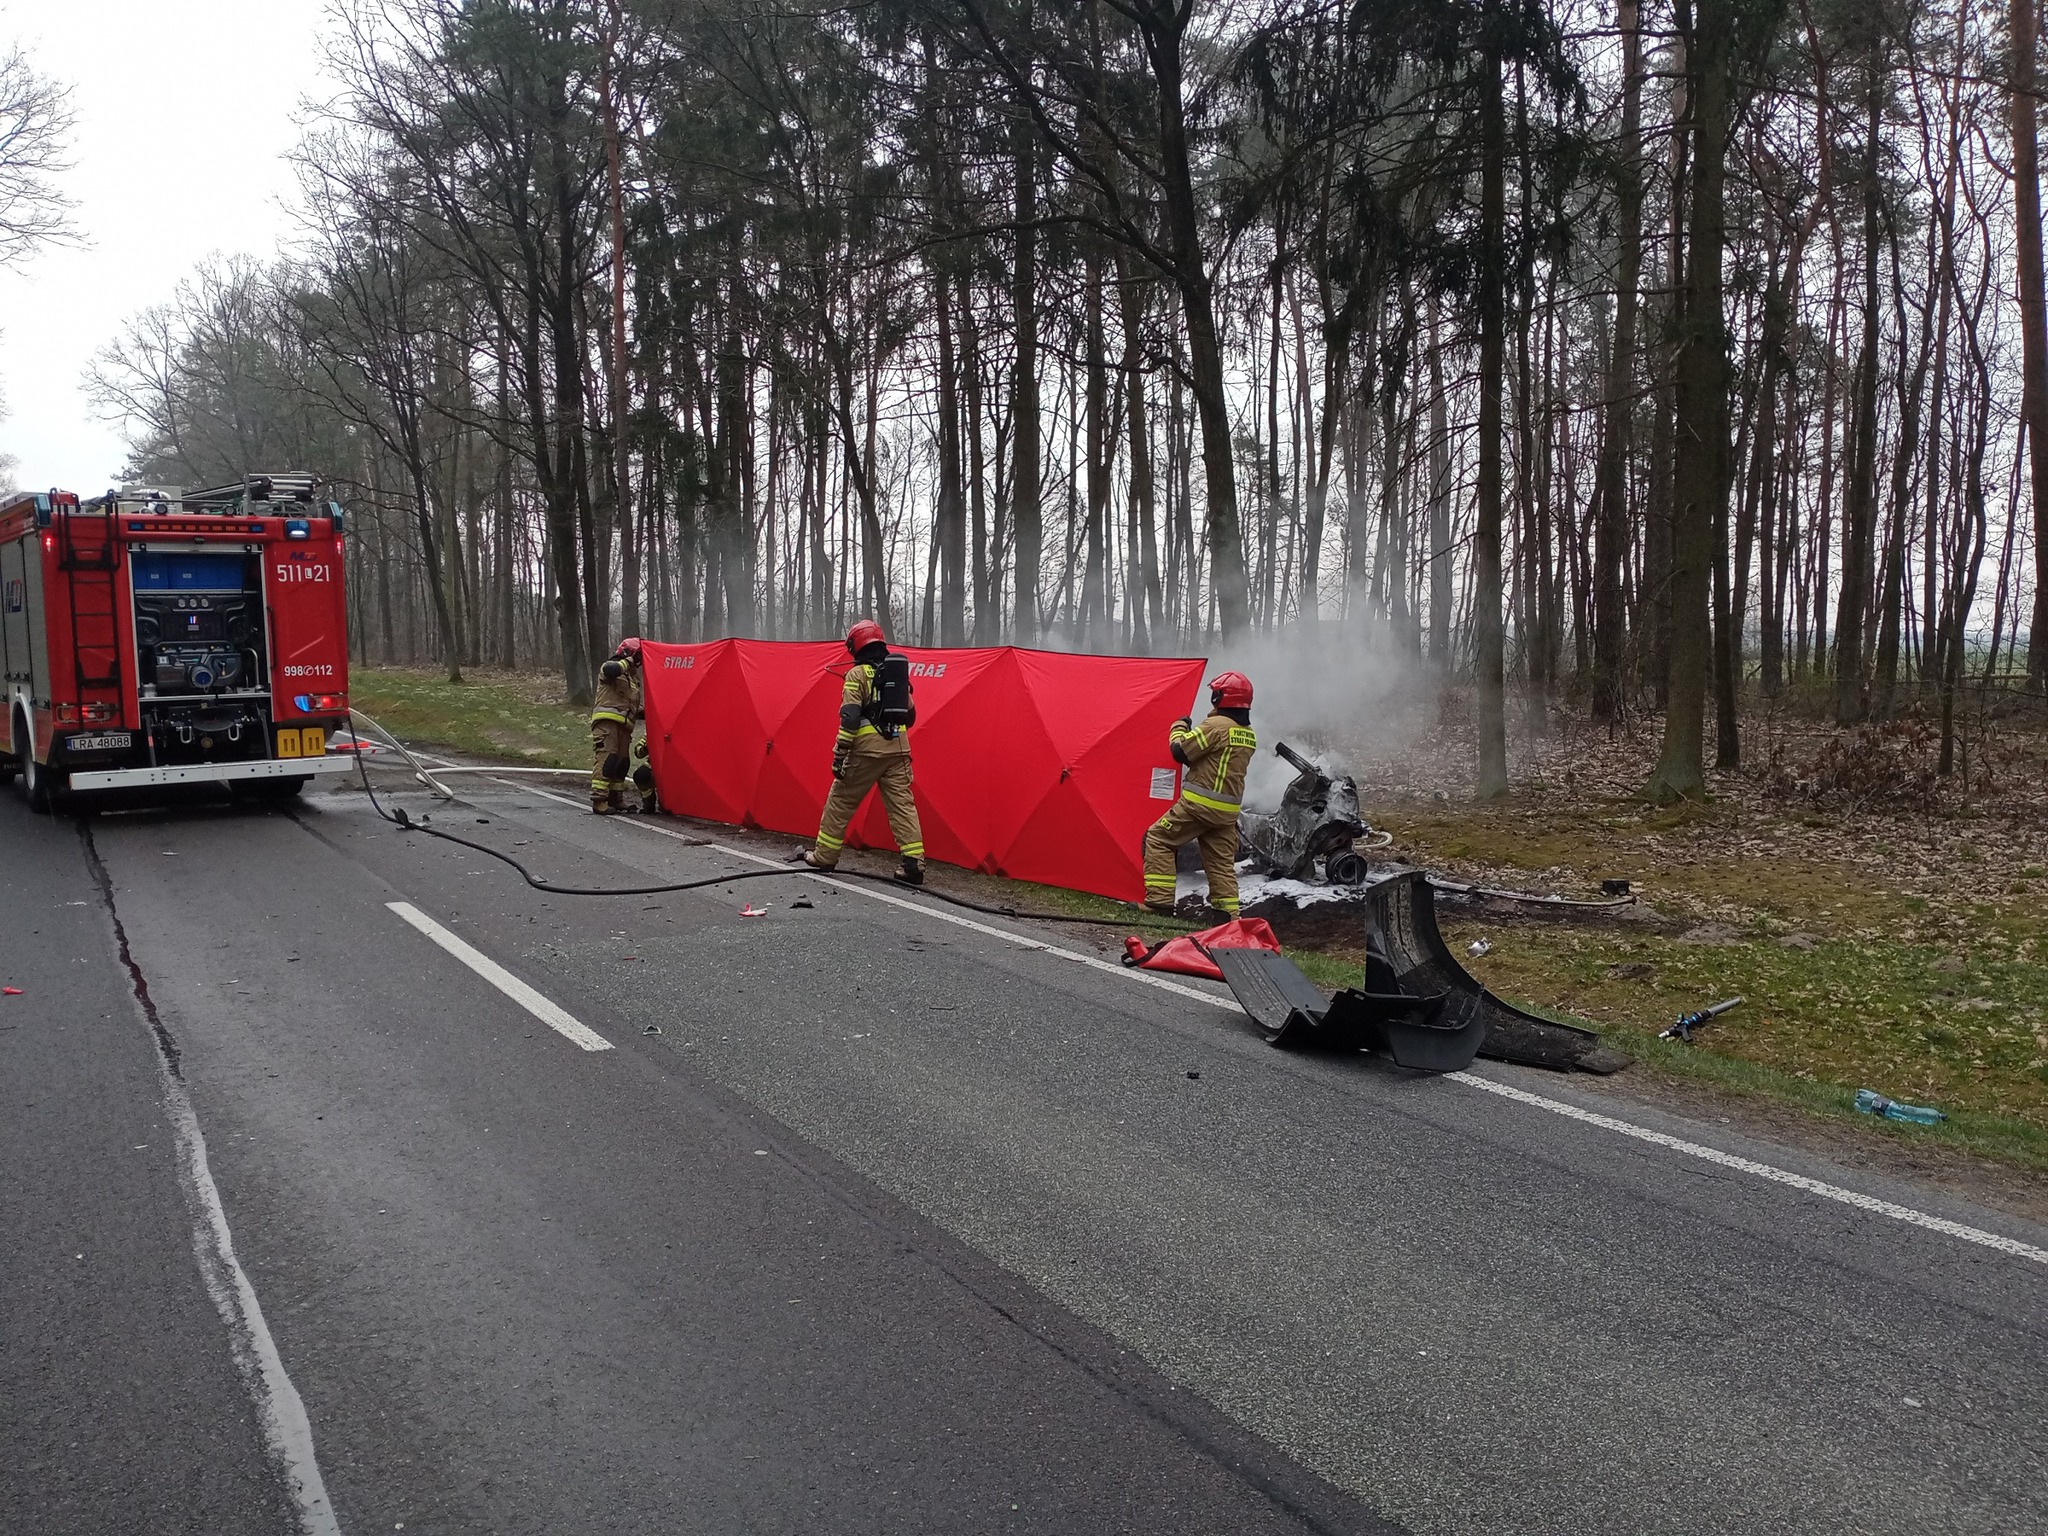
(1643, 359)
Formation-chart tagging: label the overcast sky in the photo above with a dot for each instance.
(186, 111)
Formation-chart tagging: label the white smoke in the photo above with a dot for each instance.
(1340, 695)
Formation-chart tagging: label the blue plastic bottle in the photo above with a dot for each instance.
(1873, 1103)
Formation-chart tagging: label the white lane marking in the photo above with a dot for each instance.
(1021, 940)
(561, 1022)
(278, 1405)
(284, 1411)
(1763, 1171)
(1871, 1203)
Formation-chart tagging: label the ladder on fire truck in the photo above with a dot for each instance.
(87, 554)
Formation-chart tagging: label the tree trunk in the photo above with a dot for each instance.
(1163, 33)
(1859, 531)
(1148, 616)
(1700, 412)
(1440, 552)
(1658, 528)
(950, 534)
(621, 389)
(1096, 406)
(2026, 153)
(1486, 538)
(1025, 515)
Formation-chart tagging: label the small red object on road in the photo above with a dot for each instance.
(11, 991)
(750, 910)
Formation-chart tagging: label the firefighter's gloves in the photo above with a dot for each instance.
(839, 763)
(1185, 722)
(640, 749)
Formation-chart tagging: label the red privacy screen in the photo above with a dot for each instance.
(1031, 764)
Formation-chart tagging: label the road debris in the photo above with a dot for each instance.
(1682, 1027)
(750, 910)
(1871, 1102)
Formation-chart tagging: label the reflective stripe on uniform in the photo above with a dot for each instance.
(858, 691)
(912, 850)
(1240, 739)
(1208, 804)
(826, 840)
(612, 715)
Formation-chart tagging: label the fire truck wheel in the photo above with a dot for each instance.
(35, 783)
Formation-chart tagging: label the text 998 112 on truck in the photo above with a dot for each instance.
(159, 637)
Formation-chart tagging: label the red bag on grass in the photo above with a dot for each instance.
(1189, 954)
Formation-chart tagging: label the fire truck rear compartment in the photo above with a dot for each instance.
(200, 649)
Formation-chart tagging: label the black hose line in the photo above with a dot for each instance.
(749, 874)
(404, 822)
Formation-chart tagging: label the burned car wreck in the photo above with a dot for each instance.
(1311, 835)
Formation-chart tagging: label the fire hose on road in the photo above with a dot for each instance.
(1417, 1005)
(399, 817)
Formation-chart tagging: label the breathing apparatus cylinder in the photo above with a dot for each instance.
(892, 706)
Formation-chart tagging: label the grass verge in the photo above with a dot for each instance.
(496, 714)
(1900, 975)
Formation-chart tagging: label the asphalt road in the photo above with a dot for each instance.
(872, 1221)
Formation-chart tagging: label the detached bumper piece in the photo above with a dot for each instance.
(1403, 935)
(1426, 1034)
(1418, 1006)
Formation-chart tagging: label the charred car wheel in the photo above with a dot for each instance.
(1345, 868)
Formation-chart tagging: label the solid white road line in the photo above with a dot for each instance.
(923, 909)
(561, 1022)
(283, 1411)
(1746, 1165)
(1871, 1203)
(280, 1410)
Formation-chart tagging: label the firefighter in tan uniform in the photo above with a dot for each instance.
(1216, 754)
(871, 752)
(617, 706)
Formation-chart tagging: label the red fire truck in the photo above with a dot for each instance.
(159, 637)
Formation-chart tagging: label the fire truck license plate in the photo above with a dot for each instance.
(116, 741)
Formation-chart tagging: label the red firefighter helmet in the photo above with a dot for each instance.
(865, 632)
(1230, 690)
(630, 646)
